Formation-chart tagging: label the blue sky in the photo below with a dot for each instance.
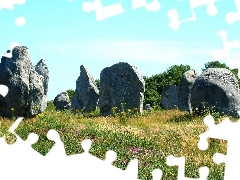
(60, 32)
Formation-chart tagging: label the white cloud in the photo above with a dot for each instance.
(134, 50)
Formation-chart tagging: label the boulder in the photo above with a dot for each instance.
(184, 91)
(27, 94)
(169, 97)
(86, 93)
(216, 88)
(121, 86)
(148, 107)
(62, 101)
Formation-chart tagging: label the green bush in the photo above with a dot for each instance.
(154, 85)
(70, 94)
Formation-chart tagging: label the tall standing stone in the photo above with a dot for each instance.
(169, 97)
(216, 88)
(185, 88)
(86, 93)
(27, 93)
(121, 83)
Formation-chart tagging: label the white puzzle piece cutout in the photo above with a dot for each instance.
(180, 162)
(9, 4)
(103, 12)
(174, 16)
(9, 54)
(224, 53)
(3, 90)
(153, 6)
(233, 17)
(57, 165)
(226, 130)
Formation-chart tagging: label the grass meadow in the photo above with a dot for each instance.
(149, 137)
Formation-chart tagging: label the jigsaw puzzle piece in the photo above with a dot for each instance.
(180, 162)
(224, 53)
(153, 6)
(173, 14)
(101, 11)
(233, 17)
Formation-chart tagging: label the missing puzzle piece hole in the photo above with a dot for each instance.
(203, 144)
(86, 145)
(157, 174)
(231, 17)
(3, 90)
(219, 158)
(110, 156)
(32, 138)
(204, 172)
(88, 6)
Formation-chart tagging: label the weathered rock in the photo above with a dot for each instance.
(121, 83)
(86, 93)
(42, 69)
(27, 93)
(169, 97)
(62, 101)
(216, 88)
(148, 107)
(184, 91)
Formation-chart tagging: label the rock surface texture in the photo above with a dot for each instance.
(86, 93)
(148, 107)
(62, 101)
(121, 83)
(28, 85)
(184, 91)
(216, 88)
(169, 97)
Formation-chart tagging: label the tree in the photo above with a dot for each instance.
(70, 94)
(214, 64)
(154, 85)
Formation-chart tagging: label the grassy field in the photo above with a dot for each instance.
(150, 138)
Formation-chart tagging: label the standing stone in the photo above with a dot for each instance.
(169, 97)
(184, 92)
(86, 93)
(62, 101)
(148, 107)
(27, 92)
(216, 88)
(121, 85)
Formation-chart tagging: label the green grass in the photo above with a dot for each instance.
(150, 138)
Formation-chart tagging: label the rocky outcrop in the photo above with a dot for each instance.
(86, 93)
(218, 89)
(121, 85)
(169, 97)
(62, 101)
(184, 91)
(148, 107)
(27, 94)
